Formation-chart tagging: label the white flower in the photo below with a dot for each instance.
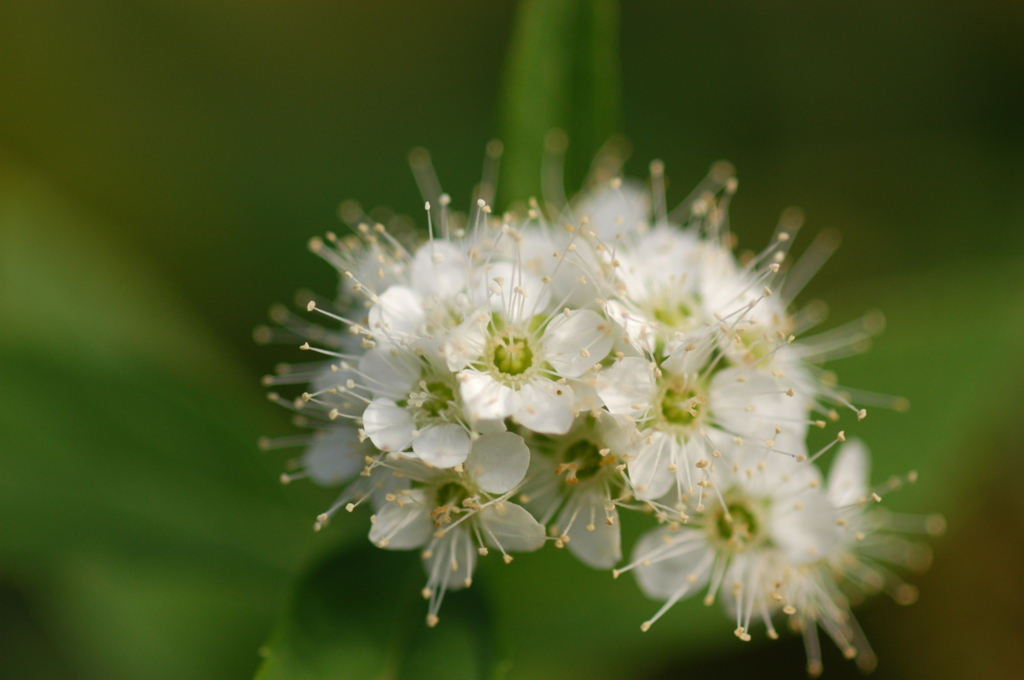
(661, 279)
(821, 593)
(579, 482)
(415, 404)
(440, 268)
(427, 302)
(691, 406)
(335, 453)
(519, 365)
(756, 521)
(658, 281)
(725, 286)
(337, 456)
(397, 314)
(456, 515)
(646, 365)
(621, 208)
(365, 258)
(556, 257)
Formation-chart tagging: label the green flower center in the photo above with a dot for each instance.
(753, 344)
(452, 494)
(680, 405)
(512, 356)
(587, 457)
(737, 526)
(743, 523)
(440, 395)
(673, 315)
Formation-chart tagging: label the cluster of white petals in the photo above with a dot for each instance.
(526, 378)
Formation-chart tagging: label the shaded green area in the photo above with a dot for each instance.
(562, 72)
(358, 615)
(136, 512)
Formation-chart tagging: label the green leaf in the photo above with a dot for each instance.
(359, 615)
(952, 347)
(124, 413)
(136, 508)
(562, 72)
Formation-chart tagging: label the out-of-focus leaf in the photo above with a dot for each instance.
(120, 413)
(951, 347)
(562, 72)
(26, 651)
(358, 615)
(132, 496)
(157, 545)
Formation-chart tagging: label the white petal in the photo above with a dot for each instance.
(506, 297)
(397, 312)
(614, 211)
(536, 250)
(804, 528)
(498, 462)
(541, 487)
(443, 446)
(466, 342)
(335, 457)
(636, 327)
(591, 539)
(456, 550)
(382, 482)
(574, 343)
(726, 288)
(585, 396)
(763, 473)
(490, 426)
(412, 468)
(690, 354)
(662, 268)
(402, 527)
(752, 404)
(627, 386)
(676, 559)
(388, 425)
(617, 432)
(439, 268)
(326, 380)
(391, 371)
(751, 570)
(486, 398)
(545, 407)
(510, 527)
(849, 475)
(649, 471)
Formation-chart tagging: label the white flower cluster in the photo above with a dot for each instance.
(518, 380)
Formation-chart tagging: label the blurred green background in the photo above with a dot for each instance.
(162, 165)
